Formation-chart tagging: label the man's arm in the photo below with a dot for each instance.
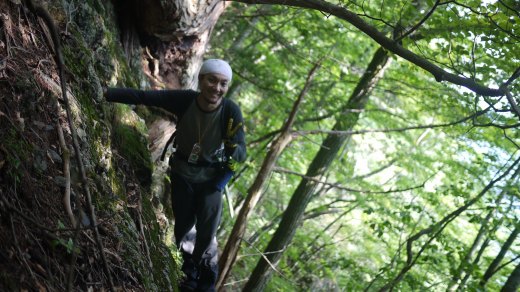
(175, 101)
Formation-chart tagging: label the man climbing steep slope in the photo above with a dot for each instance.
(209, 140)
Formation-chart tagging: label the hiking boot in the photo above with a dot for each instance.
(207, 278)
(189, 283)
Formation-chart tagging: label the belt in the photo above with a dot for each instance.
(202, 163)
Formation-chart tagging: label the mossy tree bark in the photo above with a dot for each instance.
(174, 35)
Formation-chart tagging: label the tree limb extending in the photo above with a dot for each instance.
(384, 41)
(513, 77)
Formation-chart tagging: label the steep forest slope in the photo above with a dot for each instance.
(40, 248)
(388, 131)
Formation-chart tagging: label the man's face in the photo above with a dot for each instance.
(213, 86)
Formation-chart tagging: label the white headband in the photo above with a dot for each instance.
(216, 66)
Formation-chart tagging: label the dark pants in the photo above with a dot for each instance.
(197, 208)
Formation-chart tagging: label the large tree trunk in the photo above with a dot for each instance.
(174, 35)
(230, 252)
(327, 153)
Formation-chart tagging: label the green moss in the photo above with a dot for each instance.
(163, 274)
(162, 258)
(132, 251)
(129, 138)
(17, 152)
(94, 56)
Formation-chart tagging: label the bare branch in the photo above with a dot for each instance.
(487, 16)
(503, 127)
(310, 132)
(376, 171)
(267, 260)
(21, 255)
(511, 140)
(507, 263)
(66, 173)
(340, 187)
(510, 8)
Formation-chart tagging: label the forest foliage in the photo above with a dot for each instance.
(423, 156)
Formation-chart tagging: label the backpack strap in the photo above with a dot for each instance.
(224, 117)
(172, 138)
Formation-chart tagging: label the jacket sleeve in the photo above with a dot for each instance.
(174, 101)
(235, 133)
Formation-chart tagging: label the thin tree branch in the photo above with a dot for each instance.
(503, 127)
(21, 255)
(340, 187)
(507, 263)
(487, 16)
(271, 134)
(268, 136)
(267, 260)
(516, 11)
(511, 140)
(513, 77)
(376, 171)
(479, 113)
(423, 20)
(514, 107)
(66, 173)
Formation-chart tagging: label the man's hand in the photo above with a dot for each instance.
(232, 164)
(229, 145)
(230, 130)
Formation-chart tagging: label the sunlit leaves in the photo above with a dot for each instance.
(420, 149)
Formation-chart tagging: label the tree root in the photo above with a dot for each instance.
(45, 16)
(66, 173)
